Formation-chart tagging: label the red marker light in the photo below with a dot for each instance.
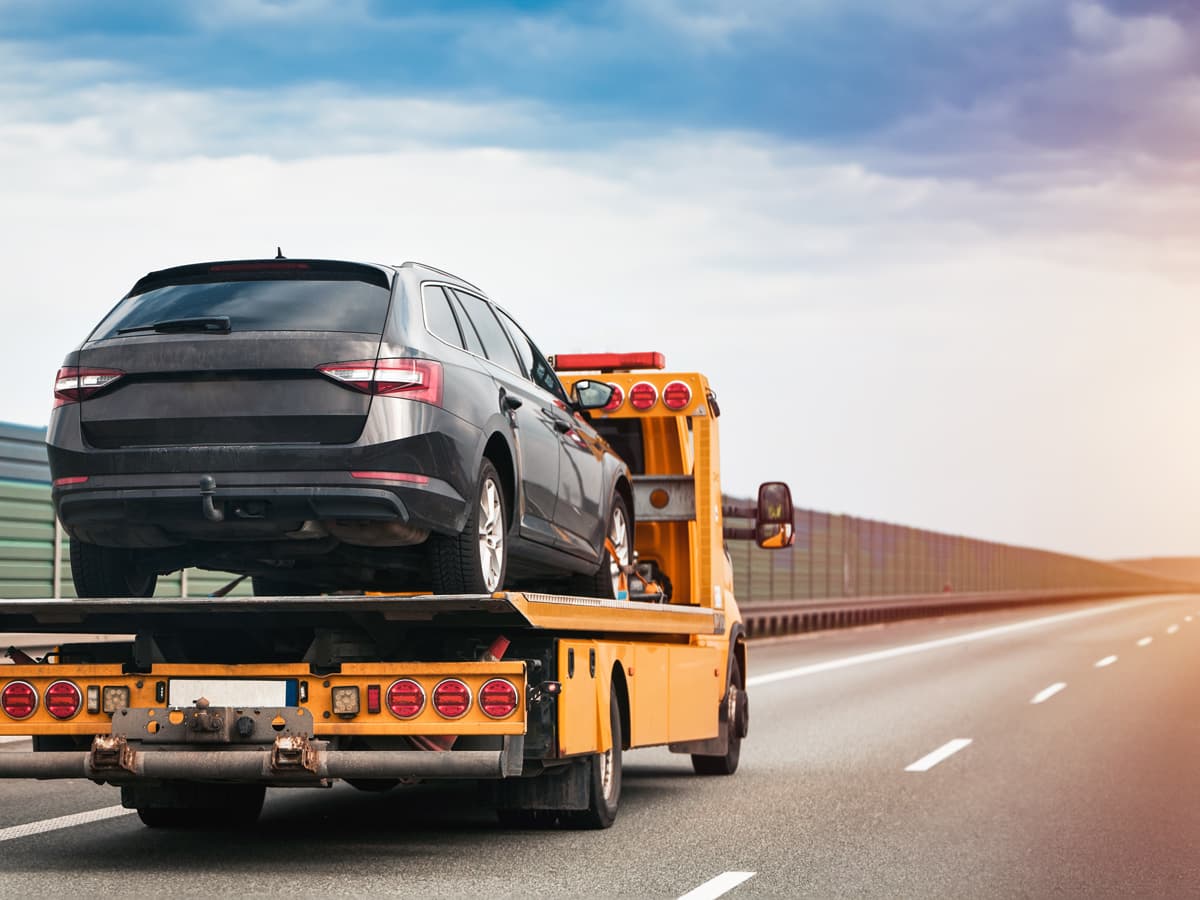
(643, 395)
(677, 395)
(618, 397)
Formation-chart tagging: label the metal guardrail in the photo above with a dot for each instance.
(779, 619)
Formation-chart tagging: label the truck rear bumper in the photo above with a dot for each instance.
(313, 766)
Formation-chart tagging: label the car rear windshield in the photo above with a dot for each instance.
(287, 304)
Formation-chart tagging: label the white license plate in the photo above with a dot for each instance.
(237, 692)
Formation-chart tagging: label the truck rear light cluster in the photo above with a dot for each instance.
(405, 698)
(451, 698)
(18, 700)
(677, 395)
(63, 700)
(75, 383)
(498, 698)
(412, 379)
(643, 395)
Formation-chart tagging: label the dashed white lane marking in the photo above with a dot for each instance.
(95, 815)
(1172, 629)
(948, 749)
(715, 887)
(1145, 642)
(1107, 661)
(1043, 695)
(1187, 618)
(905, 650)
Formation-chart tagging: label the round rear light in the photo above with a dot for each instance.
(677, 395)
(18, 699)
(643, 395)
(616, 400)
(498, 698)
(451, 698)
(405, 698)
(63, 699)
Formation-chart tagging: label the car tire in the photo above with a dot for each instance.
(109, 572)
(607, 581)
(474, 561)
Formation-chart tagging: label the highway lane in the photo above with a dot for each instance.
(1090, 792)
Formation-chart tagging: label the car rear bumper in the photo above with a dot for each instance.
(178, 502)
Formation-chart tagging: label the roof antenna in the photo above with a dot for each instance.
(279, 253)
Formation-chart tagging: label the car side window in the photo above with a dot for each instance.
(469, 332)
(439, 317)
(495, 342)
(539, 370)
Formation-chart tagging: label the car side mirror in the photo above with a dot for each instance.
(589, 394)
(774, 528)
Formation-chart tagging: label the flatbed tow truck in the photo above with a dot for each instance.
(535, 695)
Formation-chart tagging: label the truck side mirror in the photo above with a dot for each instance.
(589, 394)
(774, 528)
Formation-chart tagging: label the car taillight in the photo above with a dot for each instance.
(677, 395)
(451, 698)
(412, 379)
(643, 395)
(498, 698)
(63, 699)
(405, 698)
(618, 397)
(18, 700)
(73, 383)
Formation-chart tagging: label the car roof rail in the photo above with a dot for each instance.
(413, 262)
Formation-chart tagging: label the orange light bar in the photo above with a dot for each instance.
(607, 362)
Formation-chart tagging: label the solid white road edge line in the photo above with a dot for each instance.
(904, 650)
(1043, 695)
(715, 887)
(948, 749)
(1107, 661)
(1145, 642)
(95, 815)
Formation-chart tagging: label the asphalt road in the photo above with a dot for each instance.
(907, 760)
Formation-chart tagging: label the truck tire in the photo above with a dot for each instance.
(109, 572)
(736, 713)
(474, 561)
(608, 580)
(194, 805)
(605, 787)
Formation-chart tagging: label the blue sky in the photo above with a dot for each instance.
(936, 256)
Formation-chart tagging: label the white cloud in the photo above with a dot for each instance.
(1007, 360)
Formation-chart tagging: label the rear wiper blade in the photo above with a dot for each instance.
(200, 324)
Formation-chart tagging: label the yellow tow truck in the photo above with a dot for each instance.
(534, 694)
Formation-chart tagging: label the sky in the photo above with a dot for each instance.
(937, 258)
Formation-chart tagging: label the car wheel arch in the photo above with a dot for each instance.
(500, 454)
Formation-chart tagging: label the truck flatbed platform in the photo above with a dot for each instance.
(511, 609)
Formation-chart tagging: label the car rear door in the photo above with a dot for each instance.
(581, 489)
(535, 430)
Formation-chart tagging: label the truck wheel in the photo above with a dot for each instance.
(109, 572)
(473, 561)
(736, 713)
(605, 787)
(195, 805)
(610, 580)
